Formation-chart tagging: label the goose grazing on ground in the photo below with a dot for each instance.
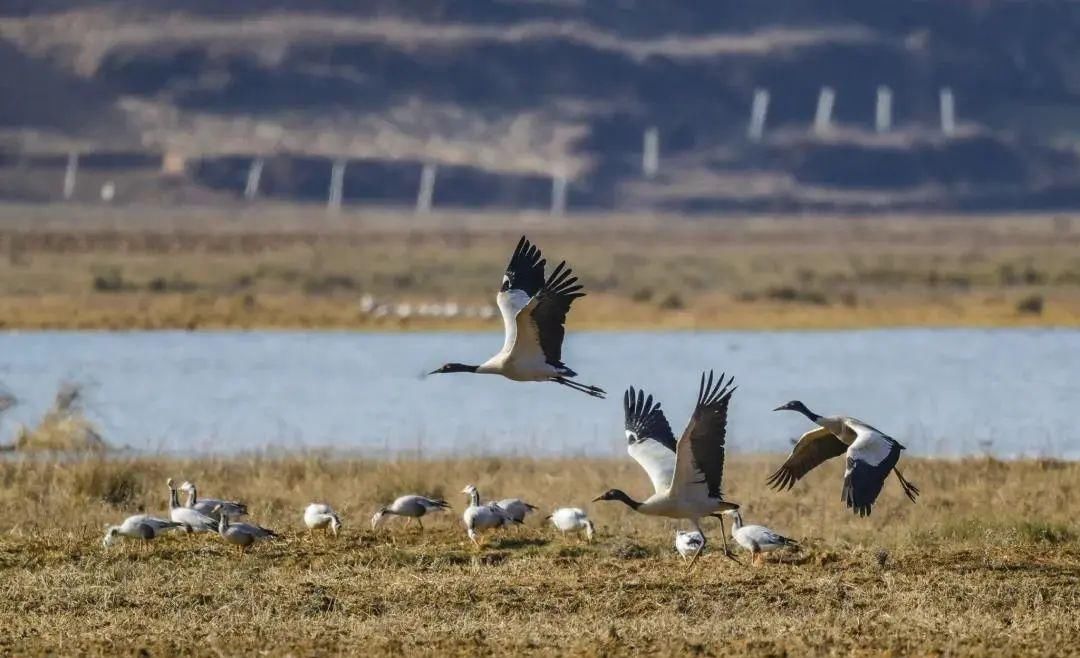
(689, 544)
(140, 526)
(241, 535)
(871, 455)
(534, 312)
(757, 539)
(516, 508)
(208, 505)
(686, 475)
(411, 507)
(320, 516)
(573, 519)
(190, 518)
(480, 518)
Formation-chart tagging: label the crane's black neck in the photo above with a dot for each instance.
(620, 495)
(458, 367)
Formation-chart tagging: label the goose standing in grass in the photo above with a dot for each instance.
(320, 516)
(189, 518)
(689, 544)
(534, 314)
(871, 456)
(516, 508)
(411, 507)
(208, 505)
(140, 526)
(481, 518)
(241, 535)
(573, 519)
(687, 474)
(757, 539)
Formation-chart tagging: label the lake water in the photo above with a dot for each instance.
(941, 392)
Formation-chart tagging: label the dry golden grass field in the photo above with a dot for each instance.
(276, 265)
(987, 563)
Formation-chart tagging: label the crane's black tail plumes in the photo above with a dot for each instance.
(594, 391)
(910, 490)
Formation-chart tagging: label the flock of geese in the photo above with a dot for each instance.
(686, 473)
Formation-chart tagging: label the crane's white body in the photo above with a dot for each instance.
(573, 519)
(521, 358)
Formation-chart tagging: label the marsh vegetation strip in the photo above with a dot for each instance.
(988, 562)
(288, 266)
(945, 392)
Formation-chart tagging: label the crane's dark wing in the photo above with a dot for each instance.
(549, 313)
(813, 449)
(526, 269)
(700, 451)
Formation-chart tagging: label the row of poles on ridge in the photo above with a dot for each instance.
(650, 155)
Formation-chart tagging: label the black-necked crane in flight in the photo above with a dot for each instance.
(534, 312)
(686, 474)
(871, 456)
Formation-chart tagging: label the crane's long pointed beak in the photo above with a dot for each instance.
(597, 499)
(778, 409)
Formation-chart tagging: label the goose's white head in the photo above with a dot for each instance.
(111, 533)
(187, 486)
(469, 490)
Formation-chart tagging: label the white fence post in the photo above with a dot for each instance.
(823, 115)
(558, 192)
(883, 110)
(337, 182)
(758, 111)
(251, 188)
(425, 196)
(650, 154)
(948, 111)
(70, 174)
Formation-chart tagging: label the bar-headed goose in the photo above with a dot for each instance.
(411, 507)
(208, 505)
(687, 475)
(188, 517)
(481, 518)
(241, 535)
(534, 314)
(139, 526)
(689, 544)
(871, 456)
(517, 508)
(320, 516)
(573, 519)
(757, 539)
